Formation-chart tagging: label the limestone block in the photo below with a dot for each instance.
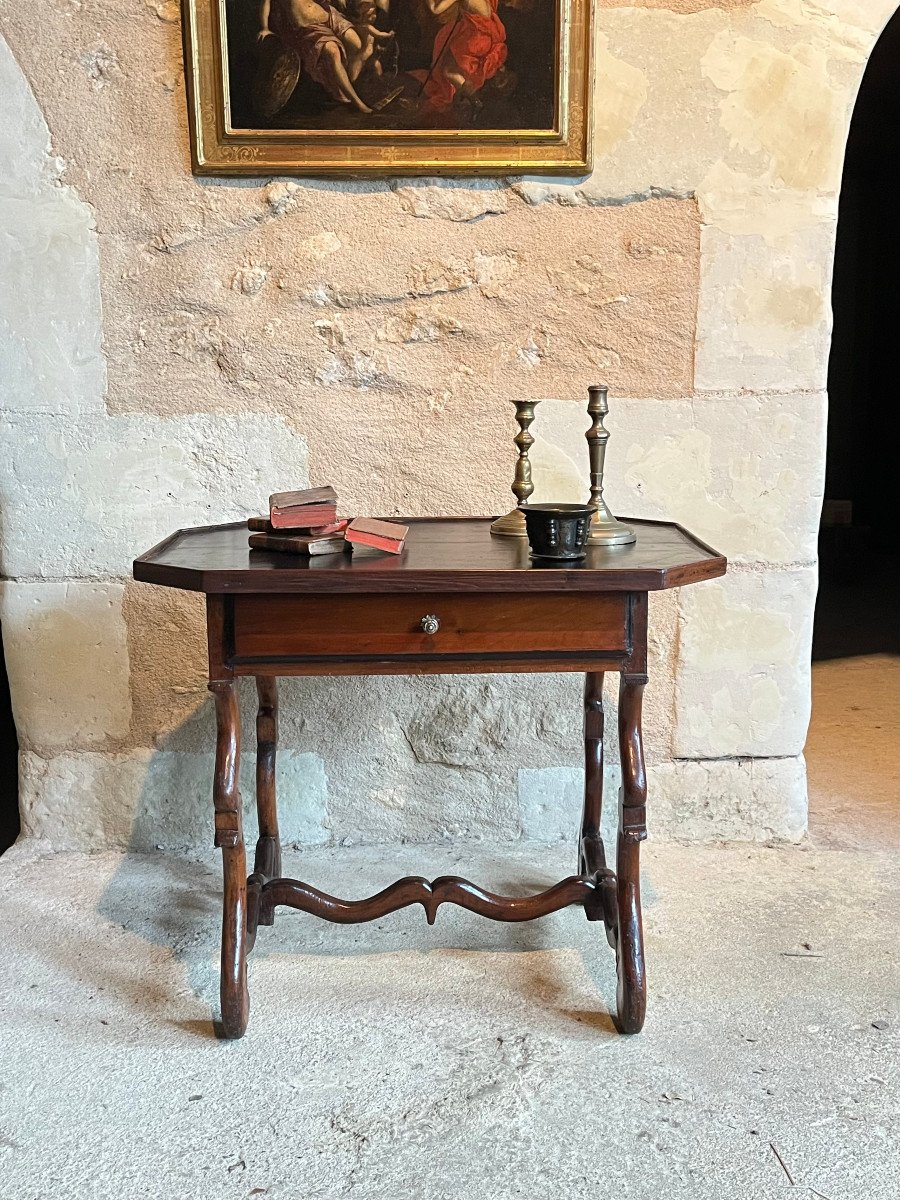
(685, 85)
(50, 299)
(435, 759)
(24, 136)
(169, 667)
(742, 685)
(696, 801)
(656, 118)
(377, 799)
(659, 694)
(67, 660)
(551, 801)
(753, 799)
(764, 321)
(145, 800)
(49, 305)
(86, 498)
(756, 498)
(779, 103)
(451, 199)
(528, 299)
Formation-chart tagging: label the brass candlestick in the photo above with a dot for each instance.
(605, 529)
(513, 524)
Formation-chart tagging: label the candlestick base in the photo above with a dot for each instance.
(512, 525)
(607, 531)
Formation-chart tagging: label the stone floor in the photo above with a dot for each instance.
(469, 1060)
(853, 753)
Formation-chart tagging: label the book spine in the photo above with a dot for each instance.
(299, 518)
(307, 547)
(264, 525)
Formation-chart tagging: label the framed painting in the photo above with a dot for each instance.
(388, 87)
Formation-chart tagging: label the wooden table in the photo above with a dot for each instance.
(457, 601)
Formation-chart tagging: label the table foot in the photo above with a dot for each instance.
(631, 993)
(233, 991)
(631, 990)
(235, 998)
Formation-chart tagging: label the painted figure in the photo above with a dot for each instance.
(331, 50)
(365, 14)
(470, 48)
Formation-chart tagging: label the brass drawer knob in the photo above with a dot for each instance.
(430, 623)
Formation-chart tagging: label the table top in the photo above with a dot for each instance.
(456, 554)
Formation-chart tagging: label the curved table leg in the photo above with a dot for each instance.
(230, 837)
(632, 980)
(591, 853)
(593, 772)
(268, 848)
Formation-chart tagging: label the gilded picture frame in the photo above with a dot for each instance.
(421, 87)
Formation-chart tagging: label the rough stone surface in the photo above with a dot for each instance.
(692, 801)
(67, 662)
(167, 688)
(399, 1062)
(742, 799)
(742, 685)
(304, 334)
(258, 333)
(163, 800)
(756, 498)
(50, 300)
(85, 498)
(551, 799)
(764, 316)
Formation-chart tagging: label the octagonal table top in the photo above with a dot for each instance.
(441, 553)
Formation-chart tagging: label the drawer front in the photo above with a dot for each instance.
(385, 625)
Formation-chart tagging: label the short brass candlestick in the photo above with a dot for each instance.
(513, 524)
(605, 529)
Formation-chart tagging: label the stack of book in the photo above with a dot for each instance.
(306, 523)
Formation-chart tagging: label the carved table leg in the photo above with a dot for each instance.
(268, 848)
(591, 854)
(230, 837)
(632, 980)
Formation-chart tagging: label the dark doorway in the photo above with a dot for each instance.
(858, 610)
(9, 764)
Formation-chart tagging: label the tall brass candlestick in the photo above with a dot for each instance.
(605, 529)
(513, 524)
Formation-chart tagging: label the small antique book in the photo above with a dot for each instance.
(304, 509)
(379, 535)
(288, 543)
(264, 525)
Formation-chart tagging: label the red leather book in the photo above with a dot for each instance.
(304, 509)
(308, 547)
(380, 535)
(264, 525)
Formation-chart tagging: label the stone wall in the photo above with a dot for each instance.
(174, 349)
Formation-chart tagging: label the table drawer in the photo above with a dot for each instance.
(280, 626)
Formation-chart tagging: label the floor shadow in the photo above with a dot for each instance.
(174, 902)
